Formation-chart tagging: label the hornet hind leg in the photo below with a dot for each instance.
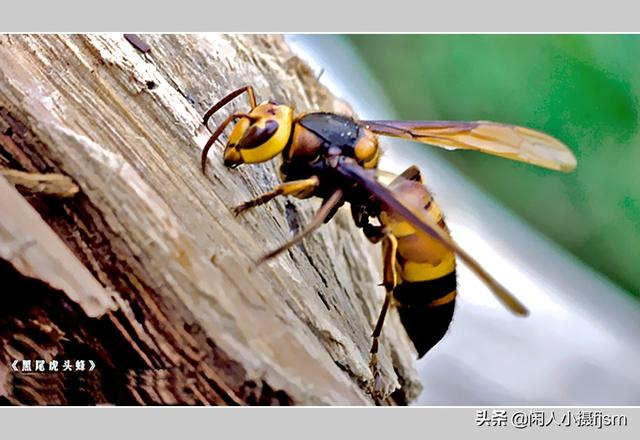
(390, 280)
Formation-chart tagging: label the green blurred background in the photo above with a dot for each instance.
(582, 89)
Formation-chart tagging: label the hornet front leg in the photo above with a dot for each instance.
(298, 188)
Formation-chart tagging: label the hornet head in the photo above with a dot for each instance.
(260, 135)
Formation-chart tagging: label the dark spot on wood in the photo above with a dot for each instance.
(318, 271)
(137, 311)
(324, 301)
(137, 42)
(151, 85)
(291, 214)
(262, 394)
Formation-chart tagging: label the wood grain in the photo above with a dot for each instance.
(185, 318)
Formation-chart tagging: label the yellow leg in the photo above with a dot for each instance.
(325, 209)
(390, 280)
(297, 188)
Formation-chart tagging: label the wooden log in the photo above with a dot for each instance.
(144, 271)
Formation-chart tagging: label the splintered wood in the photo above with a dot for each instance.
(128, 256)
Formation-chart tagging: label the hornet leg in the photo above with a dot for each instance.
(298, 188)
(326, 209)
(390, 280)
(374, 233)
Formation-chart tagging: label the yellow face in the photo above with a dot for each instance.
(260, 136)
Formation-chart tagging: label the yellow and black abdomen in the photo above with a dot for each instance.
(426, 309)
(426, 290)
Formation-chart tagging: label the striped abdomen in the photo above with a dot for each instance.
(426, 290)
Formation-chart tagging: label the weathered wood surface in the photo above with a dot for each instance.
(145, 271)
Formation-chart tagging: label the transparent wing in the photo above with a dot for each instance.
(504, 140)
(382, 194)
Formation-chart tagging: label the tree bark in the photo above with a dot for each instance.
(137, 263)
